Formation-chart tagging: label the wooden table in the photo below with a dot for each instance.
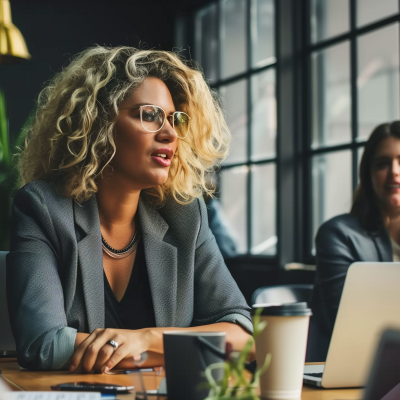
(19, 379)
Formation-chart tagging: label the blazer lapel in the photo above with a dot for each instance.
(162, 264)
(90, 259)
(383, 245)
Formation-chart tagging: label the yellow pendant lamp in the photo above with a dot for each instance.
(12, 44)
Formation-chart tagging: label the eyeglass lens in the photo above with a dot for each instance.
(181, 123)
(153, 118)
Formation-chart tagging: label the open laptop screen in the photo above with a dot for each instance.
(384, 380)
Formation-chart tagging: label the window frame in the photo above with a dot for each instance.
(285, 221)
(246, 77)
(294, 153)
(355, 144)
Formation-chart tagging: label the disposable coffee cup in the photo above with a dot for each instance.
(187, 355)
(285, 338)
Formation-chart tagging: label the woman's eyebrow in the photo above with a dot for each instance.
(146, 104)
(381, 158)
(139, 104)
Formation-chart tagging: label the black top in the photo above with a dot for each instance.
(135, 310)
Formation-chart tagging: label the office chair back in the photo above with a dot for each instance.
(7, 343)
(282, 294)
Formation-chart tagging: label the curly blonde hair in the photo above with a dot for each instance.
(71, 140)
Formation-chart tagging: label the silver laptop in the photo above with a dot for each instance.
(370, 303)
(7, 343)
(384, 378)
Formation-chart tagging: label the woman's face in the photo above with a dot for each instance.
(136, 157)
(385, 172)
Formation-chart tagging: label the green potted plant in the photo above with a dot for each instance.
(244, 386)
(8, 173)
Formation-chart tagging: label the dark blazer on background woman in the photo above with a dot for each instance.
(340, 242)
(55, 272)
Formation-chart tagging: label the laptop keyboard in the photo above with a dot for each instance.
(316, 375)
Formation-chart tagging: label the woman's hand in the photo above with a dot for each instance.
(95, 354)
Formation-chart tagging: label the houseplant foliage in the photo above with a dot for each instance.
(244, 387)
(8, 172)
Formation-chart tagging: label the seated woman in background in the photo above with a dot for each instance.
(371, 232)
(110, 244)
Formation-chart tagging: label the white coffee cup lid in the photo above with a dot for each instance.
(285, 310)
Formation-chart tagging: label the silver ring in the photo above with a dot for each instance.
(113, 343)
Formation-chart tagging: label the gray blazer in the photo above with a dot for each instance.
(340, 242)
(55, 272)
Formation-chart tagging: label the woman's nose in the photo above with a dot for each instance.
(396, 167)
(167, 133)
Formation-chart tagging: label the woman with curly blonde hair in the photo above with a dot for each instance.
(110, 244)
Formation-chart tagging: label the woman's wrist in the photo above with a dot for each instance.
(153, 339)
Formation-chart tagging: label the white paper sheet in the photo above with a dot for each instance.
(49, 396)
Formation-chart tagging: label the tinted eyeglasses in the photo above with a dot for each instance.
(153, 119)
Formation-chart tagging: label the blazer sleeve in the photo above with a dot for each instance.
(34, 289)
(217, 297)
(334, 255)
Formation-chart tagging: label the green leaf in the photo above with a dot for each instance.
(4, 136)
(243, 389)
(261, 370)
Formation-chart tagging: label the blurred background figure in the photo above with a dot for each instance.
(370, 232)
(219, 227)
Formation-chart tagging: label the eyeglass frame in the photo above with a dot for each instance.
(165, 114)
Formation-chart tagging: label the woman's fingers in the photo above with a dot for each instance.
(118, 355)
(92, 351)
(80, 350)
(102, 357)
(86, 353)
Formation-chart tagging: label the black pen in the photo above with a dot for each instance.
(132, 371)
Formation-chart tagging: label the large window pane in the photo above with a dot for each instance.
(263, 113)
(207, 41)
(328, 18)
(331, 186)
(233, 37)
(331, 111)
(378, 78)
(234, 103)
(262, 32)
(372, 10)
(263, 208)
(234, 203)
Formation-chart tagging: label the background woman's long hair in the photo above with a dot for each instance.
(365, 204)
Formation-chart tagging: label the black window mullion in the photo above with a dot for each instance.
(354, 94)
(338, 147)
(242, 75)
(285, 96)
(249, 163)
(249, 127)
(219, 58)
(308, 137)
